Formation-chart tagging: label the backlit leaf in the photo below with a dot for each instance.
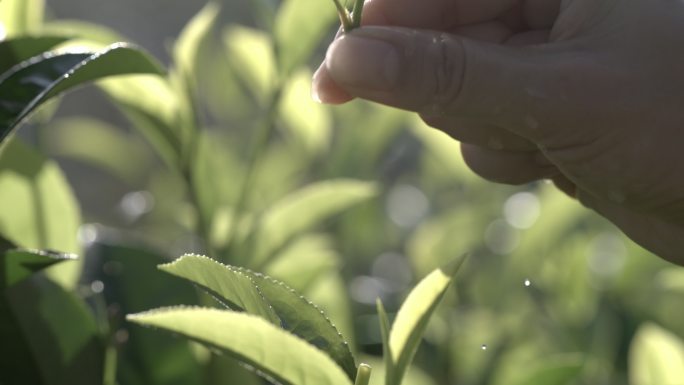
(29, 84)
(307, 123)
(229, 285)
(413, 316)
(16, 50)
(16, 265)
(187, 47)
(151, 104)
(251, 339)
(656, 357)
(250, 53)
(305, 208)
(299, 26)
(306, 320)
(268, 298)
(21, 17)
(37, 207)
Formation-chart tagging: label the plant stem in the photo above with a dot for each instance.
(363, 374)
(357, 11)
(189, 157)
(260, 144)
(345, 17)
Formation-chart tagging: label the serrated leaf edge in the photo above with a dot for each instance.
(246, 271)
(135, 317)
(213, 293)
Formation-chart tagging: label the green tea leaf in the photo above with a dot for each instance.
(272, 300)
(304, 319)
(385, 334)
(413, 316)
(227, 284)
(304, 209)
(37, 207)
(307, 123)
(298, 32)
(151, 104)
(414, 375)
(251, 339)
(304, 260)
(671, 279)
(48, 335)
(250, 53)
(656, 357)
(21, 17)
(28, 85)
(15, 51)
(363, 375)
(99, 144)
(187, 48)
(16, 265)
(83, 31)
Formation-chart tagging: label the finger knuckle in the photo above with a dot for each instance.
(447, 71)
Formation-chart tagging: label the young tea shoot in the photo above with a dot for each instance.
(350, 20)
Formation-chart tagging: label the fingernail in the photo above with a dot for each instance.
(365, 63)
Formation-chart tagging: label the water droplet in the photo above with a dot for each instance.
(528, 283)
(483, 347)
(97, 287)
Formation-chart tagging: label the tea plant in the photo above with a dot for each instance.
(350, 20)
(243, 167)
(276, 306)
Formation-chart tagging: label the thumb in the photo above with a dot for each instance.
(436, 73)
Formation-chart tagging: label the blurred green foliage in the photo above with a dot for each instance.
(227, 155)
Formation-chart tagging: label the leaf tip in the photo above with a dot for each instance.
(451, 268)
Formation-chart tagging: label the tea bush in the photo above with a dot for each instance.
(294, 203)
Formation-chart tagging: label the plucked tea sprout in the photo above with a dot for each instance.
(350, 20)
(363, 375)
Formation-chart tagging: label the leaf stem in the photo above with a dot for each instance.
(363, 374)
(356, 14)
(263, 135)
(345, 17)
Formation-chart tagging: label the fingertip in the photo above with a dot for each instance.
(325, 90)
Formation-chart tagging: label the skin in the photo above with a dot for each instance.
(587, 93)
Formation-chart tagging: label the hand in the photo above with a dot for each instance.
(588, 93)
